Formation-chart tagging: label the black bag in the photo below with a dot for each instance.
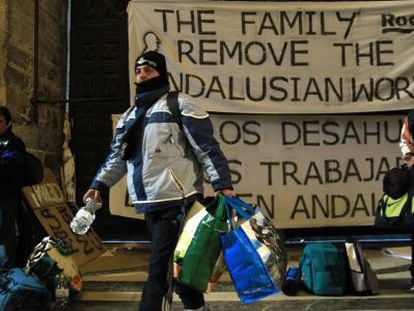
(396, 181)
(46, 270)
(395, 213)
(32, 170)
(50, 257)
(19, 291)
(395, 210)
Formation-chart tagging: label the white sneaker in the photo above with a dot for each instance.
(206, 307)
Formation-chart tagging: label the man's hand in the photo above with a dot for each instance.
(92, 193)
(227, 192)
(409, 159)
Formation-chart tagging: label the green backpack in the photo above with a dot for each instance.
(323, 269)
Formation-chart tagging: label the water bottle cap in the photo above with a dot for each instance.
(92, 205)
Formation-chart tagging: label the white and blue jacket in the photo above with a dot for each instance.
(169, 163)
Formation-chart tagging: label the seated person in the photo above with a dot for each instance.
(12, 150)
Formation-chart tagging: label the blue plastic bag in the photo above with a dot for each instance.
(254, 253)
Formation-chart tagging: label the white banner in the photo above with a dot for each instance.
(273, 57)
(311, 171)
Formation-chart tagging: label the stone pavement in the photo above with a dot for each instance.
(114, 282)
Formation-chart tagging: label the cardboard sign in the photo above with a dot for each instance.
(50, 207)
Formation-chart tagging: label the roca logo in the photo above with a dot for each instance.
(397, 23)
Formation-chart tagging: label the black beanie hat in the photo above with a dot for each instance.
(155, 60)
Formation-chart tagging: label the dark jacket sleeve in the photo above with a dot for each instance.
(114, 168)
(12, 152)
(199, 131)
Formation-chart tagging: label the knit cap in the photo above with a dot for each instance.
(153, 59)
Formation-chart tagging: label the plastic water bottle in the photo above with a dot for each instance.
(61, 289)
(85, 216)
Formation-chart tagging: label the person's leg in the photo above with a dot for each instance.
(30, 232)
(192, 299)
(164, 227)
(412, 262)
(8, 210)
(412, 236)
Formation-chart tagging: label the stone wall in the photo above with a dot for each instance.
(33, 73)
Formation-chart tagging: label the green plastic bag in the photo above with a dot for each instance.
(198, 260)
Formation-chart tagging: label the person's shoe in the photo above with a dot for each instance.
(206, 307)
(412, 285)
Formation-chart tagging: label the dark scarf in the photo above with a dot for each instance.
(132, 138)
(7, 133)
(144, 100)
(6, 139)
(152, 84)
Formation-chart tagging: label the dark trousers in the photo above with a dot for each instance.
(164, 228)
(412, 233)
(412, 259)
(8, 211)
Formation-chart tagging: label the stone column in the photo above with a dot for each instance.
(33, 73)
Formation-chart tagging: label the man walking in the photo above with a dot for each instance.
(165, 163)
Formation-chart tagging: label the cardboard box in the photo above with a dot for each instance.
(50, 207)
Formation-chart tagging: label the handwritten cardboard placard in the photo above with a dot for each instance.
(51, 209)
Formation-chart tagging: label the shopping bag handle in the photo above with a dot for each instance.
(226, 206)
(242, 208)
(228, 214)
(220, 213)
